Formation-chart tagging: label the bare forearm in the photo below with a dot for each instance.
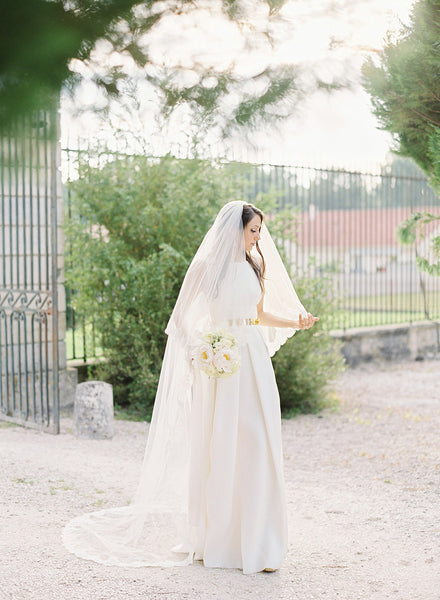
(271, 320)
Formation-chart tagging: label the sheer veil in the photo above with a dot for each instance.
(153, 529)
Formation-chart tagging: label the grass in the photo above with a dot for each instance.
(6, 424)
(396, 302)
(351, 319)
(371, 311)
(132, 414)
(82, 342)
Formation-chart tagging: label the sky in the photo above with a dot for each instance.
(340, 128)
(331, 36)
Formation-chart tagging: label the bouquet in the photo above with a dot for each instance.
(218, 354)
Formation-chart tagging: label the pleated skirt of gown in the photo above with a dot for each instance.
(237, 506)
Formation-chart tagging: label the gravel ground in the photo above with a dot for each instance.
(363, 492)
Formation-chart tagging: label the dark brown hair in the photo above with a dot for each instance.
(249, 212)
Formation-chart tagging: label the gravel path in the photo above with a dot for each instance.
(363, 490)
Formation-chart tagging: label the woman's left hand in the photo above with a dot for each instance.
(307, 322)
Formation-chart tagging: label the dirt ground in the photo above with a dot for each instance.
(363, 492)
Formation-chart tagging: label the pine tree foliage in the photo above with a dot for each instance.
(46, 45)
(38, 38)
(405, 93)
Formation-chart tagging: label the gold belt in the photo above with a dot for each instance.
(243, 321)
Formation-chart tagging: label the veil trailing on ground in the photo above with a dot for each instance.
(153, 530)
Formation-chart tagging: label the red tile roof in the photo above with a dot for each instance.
(358, 228)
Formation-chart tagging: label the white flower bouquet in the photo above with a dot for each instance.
(218, 354)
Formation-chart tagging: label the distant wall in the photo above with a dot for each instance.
(390, 342)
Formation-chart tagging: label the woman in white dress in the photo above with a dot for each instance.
(211, 486)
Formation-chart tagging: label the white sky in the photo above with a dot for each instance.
(332, 130)
(337, 129)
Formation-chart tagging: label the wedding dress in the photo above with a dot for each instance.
(211, 484)
(237, 504)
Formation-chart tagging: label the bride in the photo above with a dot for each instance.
(211, 485)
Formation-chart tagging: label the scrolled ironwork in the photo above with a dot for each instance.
(40, 317)
(29, 301)
(18, 315)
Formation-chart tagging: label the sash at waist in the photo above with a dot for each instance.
(238, 322)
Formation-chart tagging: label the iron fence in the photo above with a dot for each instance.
(340, 225)
(345, 229)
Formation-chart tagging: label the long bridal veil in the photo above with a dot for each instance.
(153, 530)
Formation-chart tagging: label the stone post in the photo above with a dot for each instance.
(93, 410)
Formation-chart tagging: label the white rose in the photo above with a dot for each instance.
(204, 354)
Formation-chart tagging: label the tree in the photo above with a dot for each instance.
(37, 42)
(46, 45)
(405, 92)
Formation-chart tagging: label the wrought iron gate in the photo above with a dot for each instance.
(29, 191)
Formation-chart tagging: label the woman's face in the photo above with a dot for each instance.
(252, 232)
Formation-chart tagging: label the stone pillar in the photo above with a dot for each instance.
(94, 410)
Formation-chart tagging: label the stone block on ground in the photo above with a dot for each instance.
(93, 410)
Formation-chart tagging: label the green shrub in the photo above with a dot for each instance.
(307, 364)
(309, 361)
(135, 226)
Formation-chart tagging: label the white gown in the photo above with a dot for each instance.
(216, 494)
(236, 494)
